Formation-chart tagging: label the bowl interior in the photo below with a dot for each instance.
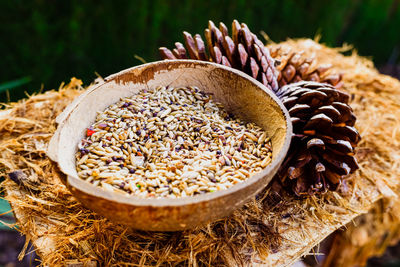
(241, 95)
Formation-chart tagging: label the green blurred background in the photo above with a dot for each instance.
(46, 42)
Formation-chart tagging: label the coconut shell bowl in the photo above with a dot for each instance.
(241, 96)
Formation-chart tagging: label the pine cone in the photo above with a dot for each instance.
(295, 66)
(243, 51)
(322, 149)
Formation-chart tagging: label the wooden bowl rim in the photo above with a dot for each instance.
(133, 200)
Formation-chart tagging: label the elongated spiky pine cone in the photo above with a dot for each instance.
(322, 149)
(243, 51)
(295, 66)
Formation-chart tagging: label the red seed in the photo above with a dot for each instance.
(89, 132)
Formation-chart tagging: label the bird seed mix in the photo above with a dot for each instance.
(170, 142)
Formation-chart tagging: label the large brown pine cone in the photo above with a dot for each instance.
(322, 149)
(243, 51)
(294, 66)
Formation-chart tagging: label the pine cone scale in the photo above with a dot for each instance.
(181, 51)
(218, 55)
(201, 49)
(223, 29)
(254, 68)
(229, 47)
(242, 56)
(166, 53)
(329, 111)
(191, 46)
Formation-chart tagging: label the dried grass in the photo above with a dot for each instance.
(270, 229)
(368, 236)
